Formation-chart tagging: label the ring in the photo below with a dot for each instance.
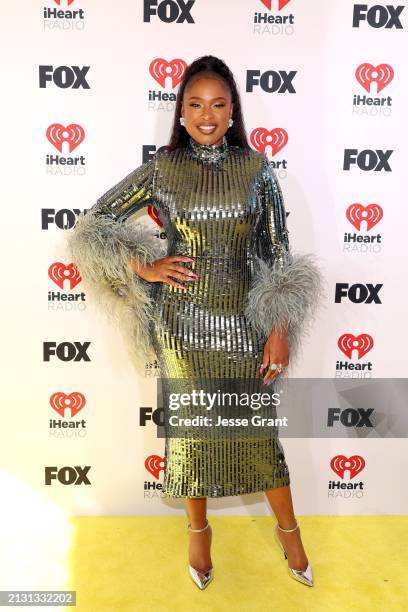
(277, 366)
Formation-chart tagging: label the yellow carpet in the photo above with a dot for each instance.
(127, 564)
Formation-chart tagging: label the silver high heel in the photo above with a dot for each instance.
(304, 576)
(202, 579)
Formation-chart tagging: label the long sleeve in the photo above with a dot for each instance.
(102, 243)
(286, 288)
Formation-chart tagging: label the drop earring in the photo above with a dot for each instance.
(182, 121)
(230, 122)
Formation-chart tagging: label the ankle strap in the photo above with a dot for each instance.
(203, 529)
(288, 530)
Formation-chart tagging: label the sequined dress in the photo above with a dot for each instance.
(223, 206)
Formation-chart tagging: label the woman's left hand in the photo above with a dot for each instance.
(276, 350)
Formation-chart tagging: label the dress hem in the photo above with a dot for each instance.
(282, 482)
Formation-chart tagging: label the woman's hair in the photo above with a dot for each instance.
(208, 64)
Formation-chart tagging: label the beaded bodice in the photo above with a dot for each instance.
(208, 153)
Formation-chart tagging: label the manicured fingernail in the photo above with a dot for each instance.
(261, 368)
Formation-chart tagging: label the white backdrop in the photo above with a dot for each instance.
(115, 124)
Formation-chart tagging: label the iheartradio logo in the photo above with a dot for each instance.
(357, 213)
(160, 70)
(74, 402)
(280, 3)
(362, 343)
(154, 464)
(382, 75)
(59, 272)
(261, 137)
(73, 134)
(153, 214)
(354, 464)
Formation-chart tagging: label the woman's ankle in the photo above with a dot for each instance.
(199, 523)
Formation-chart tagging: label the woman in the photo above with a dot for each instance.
(228, 299)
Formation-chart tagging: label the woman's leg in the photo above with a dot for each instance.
(200, 542)
(280, 499)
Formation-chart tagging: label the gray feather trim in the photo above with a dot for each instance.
(102, 247)
(291, 294)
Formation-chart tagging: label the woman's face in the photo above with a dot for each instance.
(206, 108)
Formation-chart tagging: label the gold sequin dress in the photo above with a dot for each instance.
(223, 206)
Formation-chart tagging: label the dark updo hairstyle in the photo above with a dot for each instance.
(208, 64)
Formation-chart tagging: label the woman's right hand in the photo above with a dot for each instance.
(165, 270)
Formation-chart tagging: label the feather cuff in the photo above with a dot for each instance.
(290, 294)
(102, 247)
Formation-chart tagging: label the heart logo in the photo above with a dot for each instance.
(261, 137)
(381, 74)
(74, 402)
(371, 214)
(153, 464)
(349, 343)
(59, 272)
(73, 134)
(281, 4)
(160, 69)
(152, 212)
(354, 464)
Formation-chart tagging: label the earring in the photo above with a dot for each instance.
(230, 122)
(182, 121)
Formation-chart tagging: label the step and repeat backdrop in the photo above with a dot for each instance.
(90, 95)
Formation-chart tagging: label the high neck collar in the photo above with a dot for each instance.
(208, 153)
